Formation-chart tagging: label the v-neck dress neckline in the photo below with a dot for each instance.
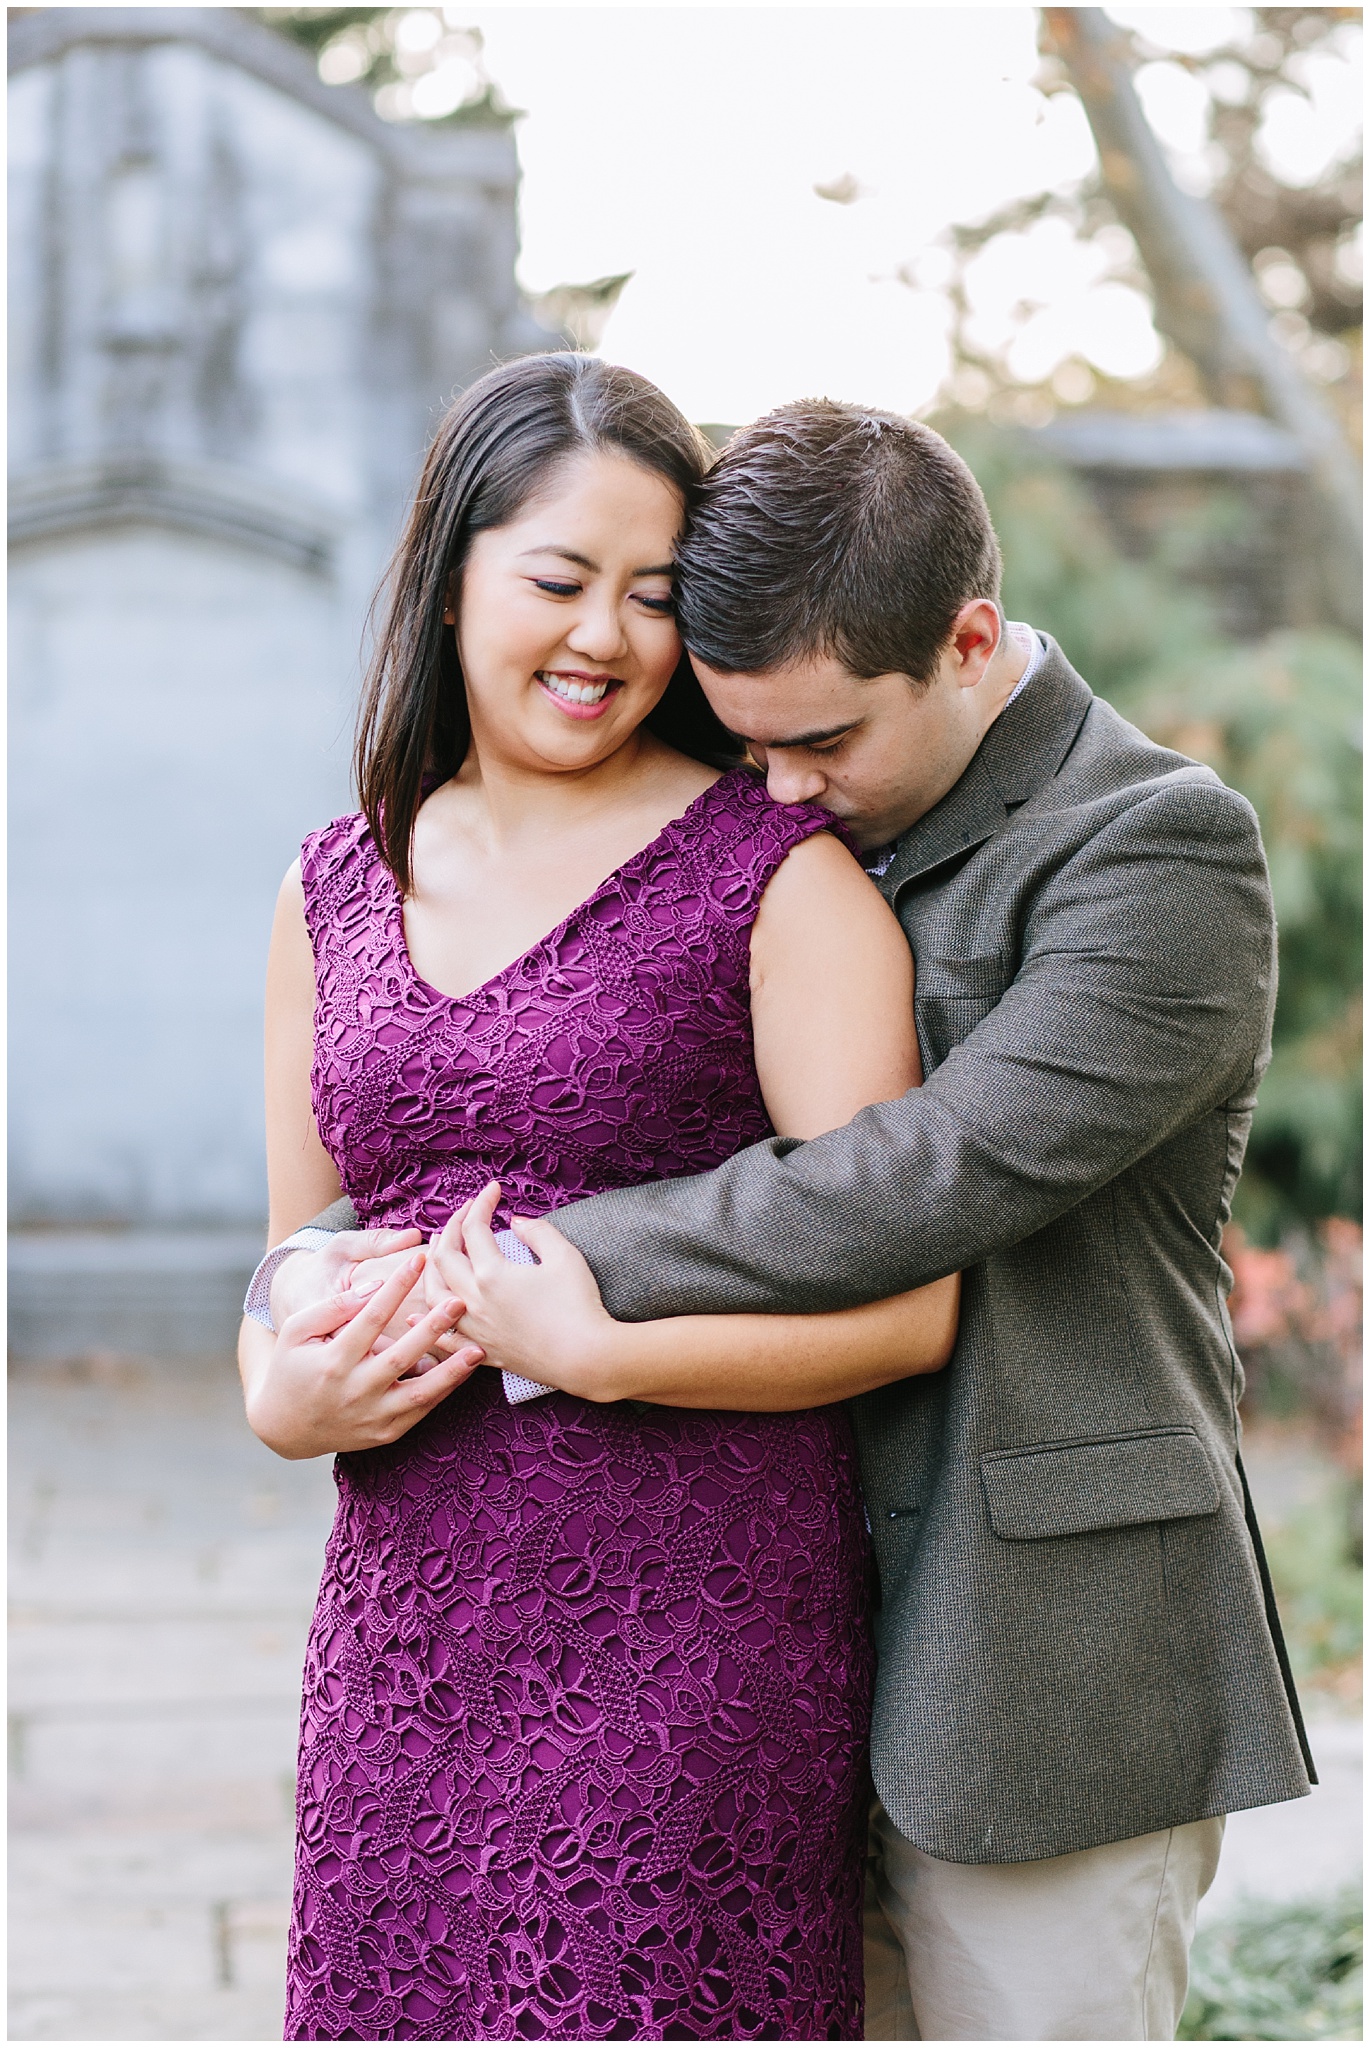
(549, 940)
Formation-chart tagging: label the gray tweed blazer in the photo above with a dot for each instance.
(1077, 1637)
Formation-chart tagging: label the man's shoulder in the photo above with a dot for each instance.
(1061, 747)
(1110, 745)
(1120, 812)
(1114, 769)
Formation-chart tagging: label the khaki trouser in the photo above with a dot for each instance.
(1089, 1947)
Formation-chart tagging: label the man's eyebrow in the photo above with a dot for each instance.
(584, 562)
(806, 739)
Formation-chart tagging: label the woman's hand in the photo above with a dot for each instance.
(320, 1386)
(359, 1259)
(546, 1322)
(370, 1274)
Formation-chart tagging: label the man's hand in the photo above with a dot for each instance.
(322, 1386)
(306, 1279)
(545, 1322)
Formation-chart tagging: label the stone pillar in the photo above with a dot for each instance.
(239, 302)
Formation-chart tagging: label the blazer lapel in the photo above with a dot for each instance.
(968, 814)
(1019, 754)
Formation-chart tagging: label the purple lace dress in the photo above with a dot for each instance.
(582, 1750)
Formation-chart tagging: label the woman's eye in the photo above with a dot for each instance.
(665, 605)
(557, 589)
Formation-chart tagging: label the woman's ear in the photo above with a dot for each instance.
(449, 610)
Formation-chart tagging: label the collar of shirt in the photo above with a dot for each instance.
(877, 858)
(1036, 654)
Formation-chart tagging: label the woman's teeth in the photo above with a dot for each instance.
(574, 693)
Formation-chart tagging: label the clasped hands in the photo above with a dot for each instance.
(376, 1329)
(545, 1322)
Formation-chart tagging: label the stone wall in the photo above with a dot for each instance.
(239, 301)
(1221, 497)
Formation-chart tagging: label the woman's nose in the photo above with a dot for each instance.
(598, 633)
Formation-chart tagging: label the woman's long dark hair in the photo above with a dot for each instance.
(493, 450)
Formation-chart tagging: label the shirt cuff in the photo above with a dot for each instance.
(516, 1387)
(257, 1301)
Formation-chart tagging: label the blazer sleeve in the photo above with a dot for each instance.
(1143, 1000)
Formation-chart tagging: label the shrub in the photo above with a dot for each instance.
(1279, 1971)
(1296, 1318)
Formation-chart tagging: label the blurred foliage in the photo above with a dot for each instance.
(417, 62)
(1279, 1971)
(1302, 239)
(1297, 1321)
(1118, 620)
(314, 26)
(1280, 721)
(1318, 1576)
(1296, 1318)
(1308, 226)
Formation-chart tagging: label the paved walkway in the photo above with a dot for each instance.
(1306, 1845)
(164, 1566)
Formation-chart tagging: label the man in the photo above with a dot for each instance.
(1080, 1669)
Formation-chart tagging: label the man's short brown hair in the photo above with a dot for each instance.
(828, 529)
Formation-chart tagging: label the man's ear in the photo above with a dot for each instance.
(976, 634)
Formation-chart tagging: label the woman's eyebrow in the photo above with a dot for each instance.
(584, 562)
(563, 554)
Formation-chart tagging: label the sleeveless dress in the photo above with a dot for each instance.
(586, 1698)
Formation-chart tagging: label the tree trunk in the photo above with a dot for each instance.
(1206, 297)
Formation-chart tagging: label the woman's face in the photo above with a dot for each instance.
(565, 627)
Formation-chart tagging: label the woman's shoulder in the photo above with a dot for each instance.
(740, 808)
(737, 838)
(343, 845)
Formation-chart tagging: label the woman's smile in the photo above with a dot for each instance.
(570, 603)
(578, 693)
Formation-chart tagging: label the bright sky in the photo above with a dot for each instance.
(684, 143)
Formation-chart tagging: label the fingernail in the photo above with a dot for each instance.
(367, 1283)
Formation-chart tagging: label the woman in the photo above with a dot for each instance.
(582, 1752)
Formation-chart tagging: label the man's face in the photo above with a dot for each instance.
(877, 752)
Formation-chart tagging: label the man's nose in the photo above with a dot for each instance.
(793, 782)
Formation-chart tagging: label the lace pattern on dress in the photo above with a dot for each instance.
(582, 1750)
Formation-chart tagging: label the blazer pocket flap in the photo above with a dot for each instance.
(1158, 1475)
